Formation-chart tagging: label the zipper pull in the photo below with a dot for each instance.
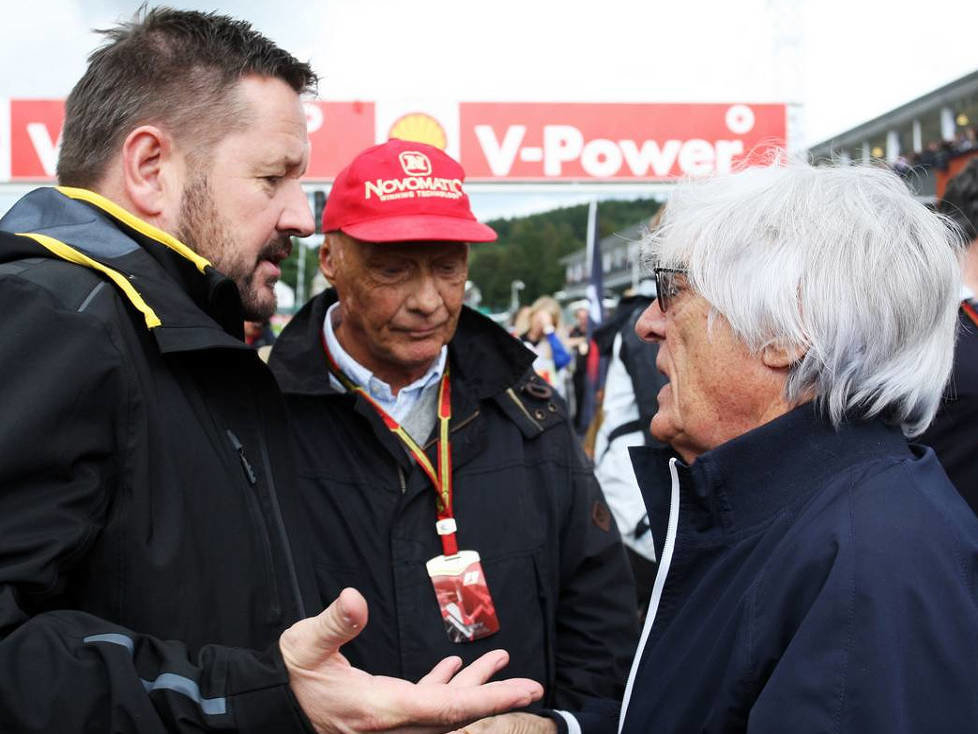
(245, 464)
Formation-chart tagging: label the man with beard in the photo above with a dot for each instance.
(152, 572)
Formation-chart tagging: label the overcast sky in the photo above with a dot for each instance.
(844, 61)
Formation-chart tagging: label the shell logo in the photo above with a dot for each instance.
(419, 127)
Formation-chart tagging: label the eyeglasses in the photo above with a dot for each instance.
(668, 285)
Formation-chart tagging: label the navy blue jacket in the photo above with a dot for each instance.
(811, 581)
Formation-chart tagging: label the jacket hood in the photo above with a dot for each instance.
(185, 302)
(482, 354)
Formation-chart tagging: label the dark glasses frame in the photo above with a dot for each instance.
(666, 285)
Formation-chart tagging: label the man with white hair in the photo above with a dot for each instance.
(817, 573)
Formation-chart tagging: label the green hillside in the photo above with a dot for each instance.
(530, 248)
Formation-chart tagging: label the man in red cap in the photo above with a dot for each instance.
(440, 474)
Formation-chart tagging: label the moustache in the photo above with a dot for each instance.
(276, 250)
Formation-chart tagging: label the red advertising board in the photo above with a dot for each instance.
(35, 132)
(335, 129)
(613, 142)
(494, 141)
(337, 132)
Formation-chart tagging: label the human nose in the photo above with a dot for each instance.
(651, 324)
(296, 217)
(426, 298)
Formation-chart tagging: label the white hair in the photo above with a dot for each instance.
(838, 263)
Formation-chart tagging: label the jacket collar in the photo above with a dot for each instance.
(752, 478)
(195, 307)
(483, 355)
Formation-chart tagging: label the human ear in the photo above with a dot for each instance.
(328, 253)
(147, 166)
(780, 357)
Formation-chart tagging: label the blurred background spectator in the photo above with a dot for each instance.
(258, 334)
(541, 335)
(579, 345)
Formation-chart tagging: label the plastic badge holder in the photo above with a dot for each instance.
(463, 596)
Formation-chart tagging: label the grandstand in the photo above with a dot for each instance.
(926, 140)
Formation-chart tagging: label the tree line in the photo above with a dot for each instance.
(529, 248)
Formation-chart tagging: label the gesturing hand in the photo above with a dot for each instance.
(340, 698)
(513, 723)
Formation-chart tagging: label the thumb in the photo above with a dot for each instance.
(312, 641)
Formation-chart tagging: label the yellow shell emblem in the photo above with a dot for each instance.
(419, 128)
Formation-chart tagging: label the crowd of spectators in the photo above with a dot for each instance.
(937, 154)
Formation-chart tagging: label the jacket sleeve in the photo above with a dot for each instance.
(597, 617)
(63, 431)
(560, 354)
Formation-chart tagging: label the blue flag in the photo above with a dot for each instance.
(595, 286)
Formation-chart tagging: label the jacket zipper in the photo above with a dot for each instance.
(254, 507)
(280, 526)
(245, 464)
(657, 587)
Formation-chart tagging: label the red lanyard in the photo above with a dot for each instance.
(441, 478)
(970, 310)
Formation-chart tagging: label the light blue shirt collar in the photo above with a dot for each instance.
(397, 406)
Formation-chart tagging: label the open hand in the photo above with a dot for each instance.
(340, 698)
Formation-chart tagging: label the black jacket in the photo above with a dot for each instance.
(638, 357)
(952, 434)
(811, 580)
(525, 499)
(143, 552)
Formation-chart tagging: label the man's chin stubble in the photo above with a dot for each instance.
(254, 307)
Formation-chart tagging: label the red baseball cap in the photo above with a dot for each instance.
(400, 191)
